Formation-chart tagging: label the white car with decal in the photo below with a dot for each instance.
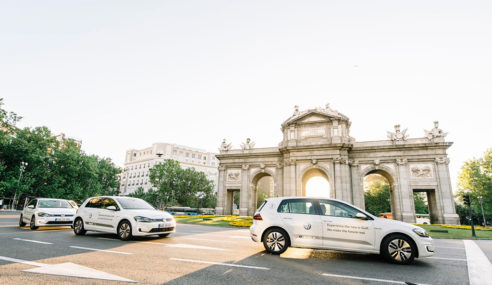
(46, 212)
(321, 223)
(123, 216)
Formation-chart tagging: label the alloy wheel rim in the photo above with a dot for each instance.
(32, 222)
(124, 230)
(78, 226)
(400, 250)
(275, 241)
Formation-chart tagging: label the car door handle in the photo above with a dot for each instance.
(328, 221)
(287, 218)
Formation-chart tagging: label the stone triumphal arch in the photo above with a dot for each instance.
(317, 142)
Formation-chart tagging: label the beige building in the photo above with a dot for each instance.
(138, 162)
(317, 143)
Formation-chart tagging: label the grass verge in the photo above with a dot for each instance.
(455, 233)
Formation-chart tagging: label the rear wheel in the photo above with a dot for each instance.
(125, 230)
(163, 235)
(21, 221)
(78, 227)
(276, 241)
(398, 249)
(32, 224)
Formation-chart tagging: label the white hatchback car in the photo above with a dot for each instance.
(46, 212)
(123, 216)
(320, 223)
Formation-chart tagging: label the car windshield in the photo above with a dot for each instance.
(54, 204)
(134, 203)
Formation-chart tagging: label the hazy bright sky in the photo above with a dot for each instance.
(124, 74)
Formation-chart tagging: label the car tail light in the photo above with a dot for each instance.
(257, 217)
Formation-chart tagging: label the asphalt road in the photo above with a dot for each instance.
(207, 255)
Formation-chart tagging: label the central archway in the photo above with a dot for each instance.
(315, 184)
(379, 196)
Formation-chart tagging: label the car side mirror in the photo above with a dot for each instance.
(361, 216)
(31, 206)
(111, 208)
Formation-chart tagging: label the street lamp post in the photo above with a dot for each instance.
(480, 199)
(466, 199)
(22, 168)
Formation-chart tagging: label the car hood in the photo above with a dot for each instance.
(149, 213)
(394, 223)
(58, 211)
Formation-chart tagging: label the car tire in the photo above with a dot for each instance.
(164, 235)
(32, 224)
(21, 221)
(398, 249)
(125, 230)
(78, 227)
(276, 241)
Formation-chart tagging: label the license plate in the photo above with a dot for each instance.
(61, 220)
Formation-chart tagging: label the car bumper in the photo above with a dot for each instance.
(147, 229)
(53, 222)
(255, 233)
(426, 247)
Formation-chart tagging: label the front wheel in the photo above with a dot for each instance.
(21, 221)
(32, 224)
(276, 241)
(78, 227)
(398, 249)
(125, 230)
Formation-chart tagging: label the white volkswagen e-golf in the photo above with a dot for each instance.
(123, 216)
(320, 223)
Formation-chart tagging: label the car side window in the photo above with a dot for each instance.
(337, 209)
(297, 207)
(109, 202)
(94, 203)
(32, 203)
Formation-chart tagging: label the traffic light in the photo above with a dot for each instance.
(466, 199)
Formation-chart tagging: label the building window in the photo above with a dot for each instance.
(193, 156)
(187, 154)
(175, 152)
(204, 158)
(213, 163)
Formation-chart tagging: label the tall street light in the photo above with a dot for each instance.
(22, 168)
(466, 199)
(480, 199)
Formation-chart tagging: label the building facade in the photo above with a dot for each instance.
(317, 142)
(138, 163)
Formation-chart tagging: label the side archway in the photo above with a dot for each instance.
(377, 184)
(262, 187)
(315, 183)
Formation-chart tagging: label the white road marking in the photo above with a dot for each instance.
(107, 238)
(478, 264)
(368, 279)
(450, 247)
(219, 263)
(183, 245)
(15, 260)
(238, 237)
(204, 239)
(34, 241)
(101, 250)
(75, 270)
(445, 258)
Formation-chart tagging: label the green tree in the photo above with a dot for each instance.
(377, 197)
(476, 175)
(178, 186)
(419, 200)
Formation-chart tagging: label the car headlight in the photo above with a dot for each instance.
(421, 232)
(141, 219)
(41, 214)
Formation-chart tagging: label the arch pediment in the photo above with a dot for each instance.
(314, 116)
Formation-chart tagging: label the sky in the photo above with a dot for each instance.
(125, 74)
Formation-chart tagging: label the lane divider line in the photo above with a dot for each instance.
(368, 279)
(204, 239)
(450, 247)
(15, 260)
(479, 266)
(446, 258)
(33, 241)
(101, 250)
(220, 263)
(188, 246)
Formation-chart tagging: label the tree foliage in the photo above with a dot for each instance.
(377, 197)
(476, 175)
(55, 169)
(419, 200)
(177, 186)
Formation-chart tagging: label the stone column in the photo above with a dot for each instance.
(346, 185)
(289, 177)
(279, 181)
(338, 179)
(446, 192)
(403, 193)
(221, 191)
(245, 192)
(357, 189)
